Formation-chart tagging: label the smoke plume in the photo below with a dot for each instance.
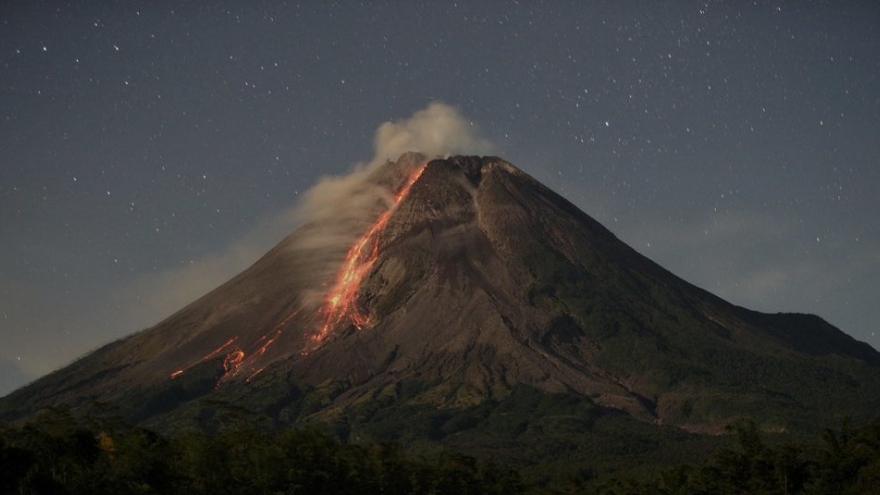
(436, 131)
(337, 210)
(341, 208)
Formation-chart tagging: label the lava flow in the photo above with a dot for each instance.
(236, 360)
(340, 304)
(341, 300)
(214, 353)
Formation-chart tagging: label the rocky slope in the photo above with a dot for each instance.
(485, 287)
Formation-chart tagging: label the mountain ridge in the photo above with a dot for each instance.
(484, 282)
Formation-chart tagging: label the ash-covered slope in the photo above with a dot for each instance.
(479, 283)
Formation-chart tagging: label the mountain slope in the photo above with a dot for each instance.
(478, 289)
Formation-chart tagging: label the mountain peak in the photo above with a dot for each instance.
(452, 283)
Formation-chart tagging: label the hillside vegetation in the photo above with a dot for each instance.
(56, 454)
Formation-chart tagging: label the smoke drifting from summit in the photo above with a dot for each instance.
(436, 131)
(339, 207)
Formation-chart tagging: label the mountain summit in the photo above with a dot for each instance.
(463, 291)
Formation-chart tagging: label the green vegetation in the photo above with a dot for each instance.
(56, 454)
(843, 462)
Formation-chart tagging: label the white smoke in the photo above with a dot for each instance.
(343, 206)
(438, 130)
(340, 206)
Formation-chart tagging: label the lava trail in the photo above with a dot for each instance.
(340, 303)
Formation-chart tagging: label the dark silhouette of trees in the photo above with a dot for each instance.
(843, 462)
(55, 454)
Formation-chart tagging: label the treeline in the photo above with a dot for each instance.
(57, 455)
(842, 462)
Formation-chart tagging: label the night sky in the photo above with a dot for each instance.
(151, 150)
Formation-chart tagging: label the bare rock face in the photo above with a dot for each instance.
(479, 283)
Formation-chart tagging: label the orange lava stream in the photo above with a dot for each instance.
(208, 356)
(341, 300)
(236, 360)
(233, 360)
(219, 349)
(339, 305)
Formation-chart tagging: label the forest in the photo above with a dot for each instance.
(58, 454)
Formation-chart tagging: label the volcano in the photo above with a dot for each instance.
(473, 306)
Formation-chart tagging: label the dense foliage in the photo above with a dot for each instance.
(843, 462)
(57, 454)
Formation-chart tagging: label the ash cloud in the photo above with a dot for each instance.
(341, 208)
(337, 210)
(436, 131)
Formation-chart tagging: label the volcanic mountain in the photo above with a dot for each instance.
(471, 305)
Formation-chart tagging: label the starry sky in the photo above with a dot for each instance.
(151, 150)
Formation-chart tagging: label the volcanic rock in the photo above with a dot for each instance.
(485, 287)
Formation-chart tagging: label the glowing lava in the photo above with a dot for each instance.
(215, 352)
(233, 361)
(340, 304)
(341, 301)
